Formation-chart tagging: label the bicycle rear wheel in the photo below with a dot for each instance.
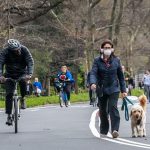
(16, 107)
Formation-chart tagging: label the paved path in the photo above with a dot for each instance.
(58, 128)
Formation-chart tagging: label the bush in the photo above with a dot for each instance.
(137, 92)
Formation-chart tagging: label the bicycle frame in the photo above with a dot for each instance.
(16, 97)
(15, 105)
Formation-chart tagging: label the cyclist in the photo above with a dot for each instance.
(18, 64)
(65, 75)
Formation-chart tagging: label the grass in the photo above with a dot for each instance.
(137, 92)
(33, 101)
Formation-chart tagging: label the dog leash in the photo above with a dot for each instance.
(125, 107)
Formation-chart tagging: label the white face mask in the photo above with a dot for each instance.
(107, 52)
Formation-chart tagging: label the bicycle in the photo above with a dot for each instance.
(94, 98)
(15, 105)
(63, 99)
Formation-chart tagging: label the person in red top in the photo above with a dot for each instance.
(65, 75)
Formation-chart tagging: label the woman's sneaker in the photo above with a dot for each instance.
(69, 103)
(115, 134)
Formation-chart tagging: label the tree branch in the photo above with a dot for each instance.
(37, 13)
(139, 26)
(93, 4)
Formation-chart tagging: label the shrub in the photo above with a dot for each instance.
(137, 92)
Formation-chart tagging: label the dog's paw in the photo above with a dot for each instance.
(134, 136)
(140, 136)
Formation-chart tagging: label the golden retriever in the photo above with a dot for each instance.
(138, 117)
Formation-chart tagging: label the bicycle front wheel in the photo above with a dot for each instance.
(16, 115)
(61, 99)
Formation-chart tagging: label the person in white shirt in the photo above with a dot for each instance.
(146, 82)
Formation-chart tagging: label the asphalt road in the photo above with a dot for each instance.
(70, 128)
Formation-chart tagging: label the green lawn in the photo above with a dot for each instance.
(43, 100)
(137, 92)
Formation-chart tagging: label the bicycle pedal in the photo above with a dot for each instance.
(18, 117)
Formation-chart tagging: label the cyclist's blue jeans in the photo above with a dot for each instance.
(67, 89)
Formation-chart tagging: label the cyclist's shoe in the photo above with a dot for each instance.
(66, 104)
(23, 104)
(69, 103)
(9, 120)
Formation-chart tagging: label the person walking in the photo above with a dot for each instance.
(146, 83)
(127, 77)
(107, 78)
(89, 88)
(29, 88)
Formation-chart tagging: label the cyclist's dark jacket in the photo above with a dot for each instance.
(110, 76)
(16, 65)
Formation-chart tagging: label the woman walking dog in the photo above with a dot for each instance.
(107, 78)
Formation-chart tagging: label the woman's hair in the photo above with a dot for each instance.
(107, 41)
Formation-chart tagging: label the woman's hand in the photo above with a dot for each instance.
(124, 94)
(93, 86)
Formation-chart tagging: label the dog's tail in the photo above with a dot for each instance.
(143, 101)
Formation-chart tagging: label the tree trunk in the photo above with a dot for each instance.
(112, 21)
(77, 63)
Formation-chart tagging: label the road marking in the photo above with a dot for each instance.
(34, 109)
(109, 137)
(57, 106)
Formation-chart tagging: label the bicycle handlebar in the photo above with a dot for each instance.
(15, 80)
(65, 80)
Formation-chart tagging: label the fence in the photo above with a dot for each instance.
(138, 78)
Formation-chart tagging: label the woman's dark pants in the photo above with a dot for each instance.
(108, 107)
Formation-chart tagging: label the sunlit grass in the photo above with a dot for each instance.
(32, 101)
